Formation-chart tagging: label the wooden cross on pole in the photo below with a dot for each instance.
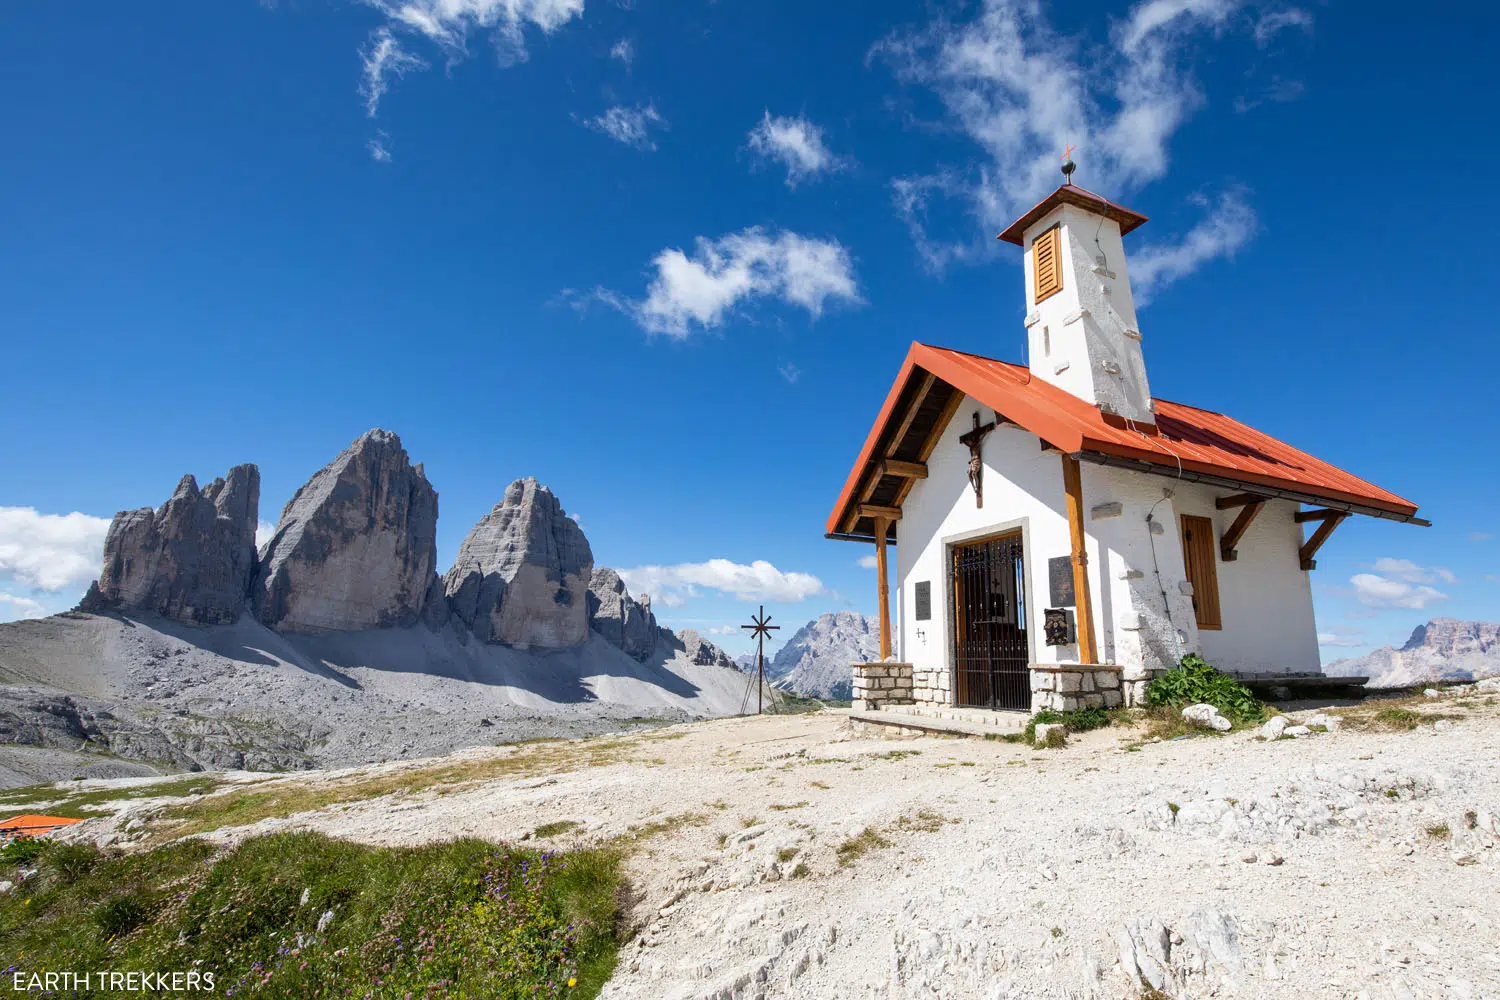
(760, 626)
(972, 440)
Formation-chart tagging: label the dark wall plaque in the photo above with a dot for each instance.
(1060, 581)
(1057, 625)
(924, 600)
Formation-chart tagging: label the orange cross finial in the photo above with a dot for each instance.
(1067, 153)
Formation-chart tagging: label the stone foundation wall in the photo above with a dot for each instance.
(877, 685)
(932, 685)
(1133, 682)
(1068, 687)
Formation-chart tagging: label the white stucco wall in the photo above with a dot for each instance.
(1085, 338)
(1142, 616)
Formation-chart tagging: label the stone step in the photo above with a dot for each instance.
(1004, 722)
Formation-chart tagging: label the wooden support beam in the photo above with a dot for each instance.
(1303, 516)
(876, 511)
(1239, 500)
(874, 472)
(1073, 486)
(882, 527)
(1227, 551)
(906, 470)
(1310, 549)
(955, 399)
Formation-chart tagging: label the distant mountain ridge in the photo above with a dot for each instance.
(815, 661)
(1444, 649)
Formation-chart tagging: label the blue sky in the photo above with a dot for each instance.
(667, 257)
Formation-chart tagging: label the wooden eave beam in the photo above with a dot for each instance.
(905, 470)
(1227, 550)
(1303, 516)
(955, 398)
(875, 472)
(1310, 549)
(878, 512)
(1239, 500)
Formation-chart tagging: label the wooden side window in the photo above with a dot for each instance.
(1046, 263)
(1198, 553)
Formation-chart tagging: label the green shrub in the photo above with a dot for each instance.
(67, 863)
(1081, 721)
(120, 915)
(22, 850)
(1193, 681)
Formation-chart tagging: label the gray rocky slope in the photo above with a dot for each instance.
(1444, 649)
(339, 643)
(815, 661)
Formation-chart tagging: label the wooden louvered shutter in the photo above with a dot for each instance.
(1198, 555)
(1046, 263)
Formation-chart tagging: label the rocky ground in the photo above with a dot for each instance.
(787, 857)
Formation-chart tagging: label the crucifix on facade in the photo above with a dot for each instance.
(972, 440)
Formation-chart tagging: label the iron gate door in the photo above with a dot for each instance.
(991, 667)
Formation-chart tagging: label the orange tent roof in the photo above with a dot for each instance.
(32, 824)
(1199, 445)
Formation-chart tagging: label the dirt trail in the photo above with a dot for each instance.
(785, 857)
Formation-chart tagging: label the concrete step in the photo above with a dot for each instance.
(1003, 722)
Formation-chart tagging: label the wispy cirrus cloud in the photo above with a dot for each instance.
(1021, 91)
(756, 581)
(450, 25)
(1228, 224)
(690, 293)
(623, 51)
(797, 144)
(630, 126)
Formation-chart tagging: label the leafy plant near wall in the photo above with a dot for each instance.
(1194, 681)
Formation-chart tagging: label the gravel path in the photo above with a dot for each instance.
(1339, 865)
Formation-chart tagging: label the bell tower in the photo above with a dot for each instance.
(1080, 316)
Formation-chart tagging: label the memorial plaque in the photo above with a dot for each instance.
(1057, 626)
(1060, 581)
(924, 600)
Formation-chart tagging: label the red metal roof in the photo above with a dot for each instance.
(1186, 437)
(1072, 194)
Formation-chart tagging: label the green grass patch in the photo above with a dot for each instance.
(856, 847)
(1081, 721)
(464, 918)
(1440, 831)
(1193, 682)
(82, 805)
(925, 821)
(896, 754)
(553, 829)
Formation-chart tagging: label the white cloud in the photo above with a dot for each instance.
(380, 150)
(797, 144)
(1382, 592)
(1405, 569)
(1334, 639)
(624, 51)
(723, 630)
(382, 59)
(13, 608)
(1021, 91)
(1272, 22)
(631, 126)
(867, 562)
(759, 581)
(1480, 536)
(1228, 225)
(697, 292)
(50, 552)
(449, 24)
(264, 530)
(790, 372)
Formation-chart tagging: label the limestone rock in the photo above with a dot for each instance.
(1273, 728)
(698, 649)
(356, 547)
(1205, 715)
(618, 617)
(192, 559)
(522, 575)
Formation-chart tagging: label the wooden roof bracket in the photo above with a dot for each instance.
(876, 470)
(1331, 519)
(1227, 550)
